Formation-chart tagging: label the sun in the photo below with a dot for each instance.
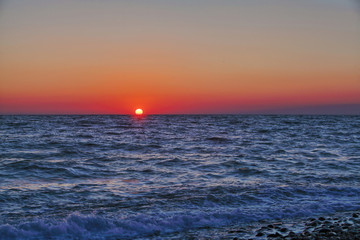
(139, 111)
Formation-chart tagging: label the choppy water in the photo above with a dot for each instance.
(123, 177)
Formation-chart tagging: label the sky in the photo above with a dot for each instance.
(175, 57)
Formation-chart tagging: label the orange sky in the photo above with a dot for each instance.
(177, 57)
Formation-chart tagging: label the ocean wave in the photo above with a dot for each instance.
(162, 174)
(78, 226)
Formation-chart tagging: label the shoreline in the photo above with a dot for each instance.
(337, 226)
(344, 225)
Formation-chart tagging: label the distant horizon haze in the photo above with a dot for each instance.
(334, 109)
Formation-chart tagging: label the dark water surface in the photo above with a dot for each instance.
(123, 177)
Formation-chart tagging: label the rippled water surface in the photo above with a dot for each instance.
(125, 177)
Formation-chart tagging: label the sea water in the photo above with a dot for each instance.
(118, 176)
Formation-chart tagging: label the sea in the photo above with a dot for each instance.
(164, 176)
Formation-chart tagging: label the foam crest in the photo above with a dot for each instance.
(158, 224)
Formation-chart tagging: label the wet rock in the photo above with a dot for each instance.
(291, 234)
(314, 224)
(271, 235)
(346, 224)
(336, 229)
(324, 230)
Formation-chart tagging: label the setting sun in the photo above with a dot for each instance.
(139, 111)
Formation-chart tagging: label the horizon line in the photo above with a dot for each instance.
(176, 114)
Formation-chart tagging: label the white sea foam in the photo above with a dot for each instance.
(159, 224)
